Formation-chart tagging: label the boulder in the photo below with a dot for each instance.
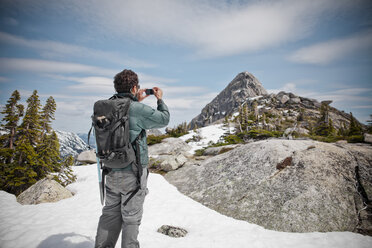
(285, 185)
(172, 231)
(295, 100)
(168, 162)
(298, 130)
(88, 157)
(169, 146)
(212, 151)
(45, 190)
(341, 142)
(368, 138)
(283, 98)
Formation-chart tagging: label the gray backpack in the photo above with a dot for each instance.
(110, 121)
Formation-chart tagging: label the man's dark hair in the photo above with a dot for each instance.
(125, 80)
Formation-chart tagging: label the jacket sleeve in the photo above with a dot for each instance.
(151, 118)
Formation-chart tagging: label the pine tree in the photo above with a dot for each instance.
(301, 116)
(35, 150)
(22, 171)
(48, 149)
(239, 119)
(47, 115)
(255, 110)
(65, 175)
(354, 127)
(343, 130)
(369, 128)
(31, 125)
(325, 125)
(48, 155)
(13, 112)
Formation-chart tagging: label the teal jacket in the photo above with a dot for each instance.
(143, 117)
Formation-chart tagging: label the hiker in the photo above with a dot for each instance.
(124, 206)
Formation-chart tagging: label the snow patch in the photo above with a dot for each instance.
(73, 222)
(212, 133)
(254, 98)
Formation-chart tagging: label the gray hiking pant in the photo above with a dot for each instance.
(116, 217)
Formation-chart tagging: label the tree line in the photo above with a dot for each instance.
(30, 150)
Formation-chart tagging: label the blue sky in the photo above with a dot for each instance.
(192, 49)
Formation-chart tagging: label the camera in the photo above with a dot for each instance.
(149, 92)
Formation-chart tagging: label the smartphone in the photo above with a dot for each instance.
(149, 92)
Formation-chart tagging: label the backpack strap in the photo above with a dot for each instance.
(138, 155)
(90, 130)
(138, 165)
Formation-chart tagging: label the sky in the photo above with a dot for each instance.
(192, 49)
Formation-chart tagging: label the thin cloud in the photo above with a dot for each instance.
(104, 85)
(10, 21)
(330, 51)
(362, 107)
(49, 66)
(210, 28)
(53, 49)
(4, 79)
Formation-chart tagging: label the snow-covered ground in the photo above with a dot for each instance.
(208, 134)
(72, 222)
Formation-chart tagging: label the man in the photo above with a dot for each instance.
(116, 216)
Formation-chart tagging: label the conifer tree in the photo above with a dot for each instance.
(48, 148)
(22, 173)
(13, 112)
(35, 150)
(48, 155)
(354, 127)
(343, 130)
(47, 115)
(369, 128)
(301, 116)
(323, 127)
(65, 175)
(31, 125)
(255, 110)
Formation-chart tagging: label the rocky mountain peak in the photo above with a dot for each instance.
(268, 111)
(241, 88)
(245, 81)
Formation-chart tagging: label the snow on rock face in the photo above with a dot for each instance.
(70, 143)
(208, 134)
(315, 192)
(73, 222)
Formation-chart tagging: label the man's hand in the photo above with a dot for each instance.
(158, 93)
(141, 94)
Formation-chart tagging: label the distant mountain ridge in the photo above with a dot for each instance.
(84, 137)
(70, 143)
